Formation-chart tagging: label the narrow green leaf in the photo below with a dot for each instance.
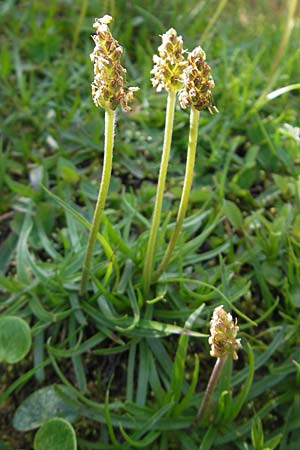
(39, 355)
(262, 359)
(22, 380)
(178, 373)
(78, 348)
(257, 434)
(108, 250)
(242, 396)
(233, 214)
(154, 380)
(130, 373)
(21, 256)
(208, 438)
(213, 288)
(191, 390)
(178, 369)
(78, 366)
(135, 309)
(143, 374)
(147, 440)
(108, 420)
(273, 443)
(282, 91)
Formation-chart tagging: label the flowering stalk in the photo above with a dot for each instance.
(223, 331)
(148, 266)
(211, 386)
(196, 93)
(188, 179)
(168, 73)
(108, 91)
(104, 186)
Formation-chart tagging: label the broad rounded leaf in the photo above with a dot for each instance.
(55, 434)
(42, 405)
(15, 339)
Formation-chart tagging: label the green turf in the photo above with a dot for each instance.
(133, 376)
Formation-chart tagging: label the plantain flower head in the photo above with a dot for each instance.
(170, 63)
(198, 83)
(108, 87)
(223, 331)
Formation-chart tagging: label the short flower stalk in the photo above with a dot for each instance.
(224, 344)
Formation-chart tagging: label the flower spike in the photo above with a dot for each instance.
(198, 83)
(108, 87)
(170, 63)
(223, 331)
(108, 91)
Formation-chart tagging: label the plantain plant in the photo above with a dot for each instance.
(108, 91)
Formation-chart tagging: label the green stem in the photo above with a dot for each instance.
(188, 179)
(105, 179)
(82, 14)
(148, 266)
(213, 20)
(210, 387)
(288, 28)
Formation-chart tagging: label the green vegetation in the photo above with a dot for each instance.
(129, 370)
(55, 434)
(15, 339)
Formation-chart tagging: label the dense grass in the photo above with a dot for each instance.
(131, 374)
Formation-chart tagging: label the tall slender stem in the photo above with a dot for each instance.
(188, 179)
(211, 387)
(148, 266)
(82, 14)
(214, 18)
(285, 38)
(106, 173)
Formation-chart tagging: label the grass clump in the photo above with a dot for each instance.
(128, 360)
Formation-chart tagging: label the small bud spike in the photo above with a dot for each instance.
(223, 331)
